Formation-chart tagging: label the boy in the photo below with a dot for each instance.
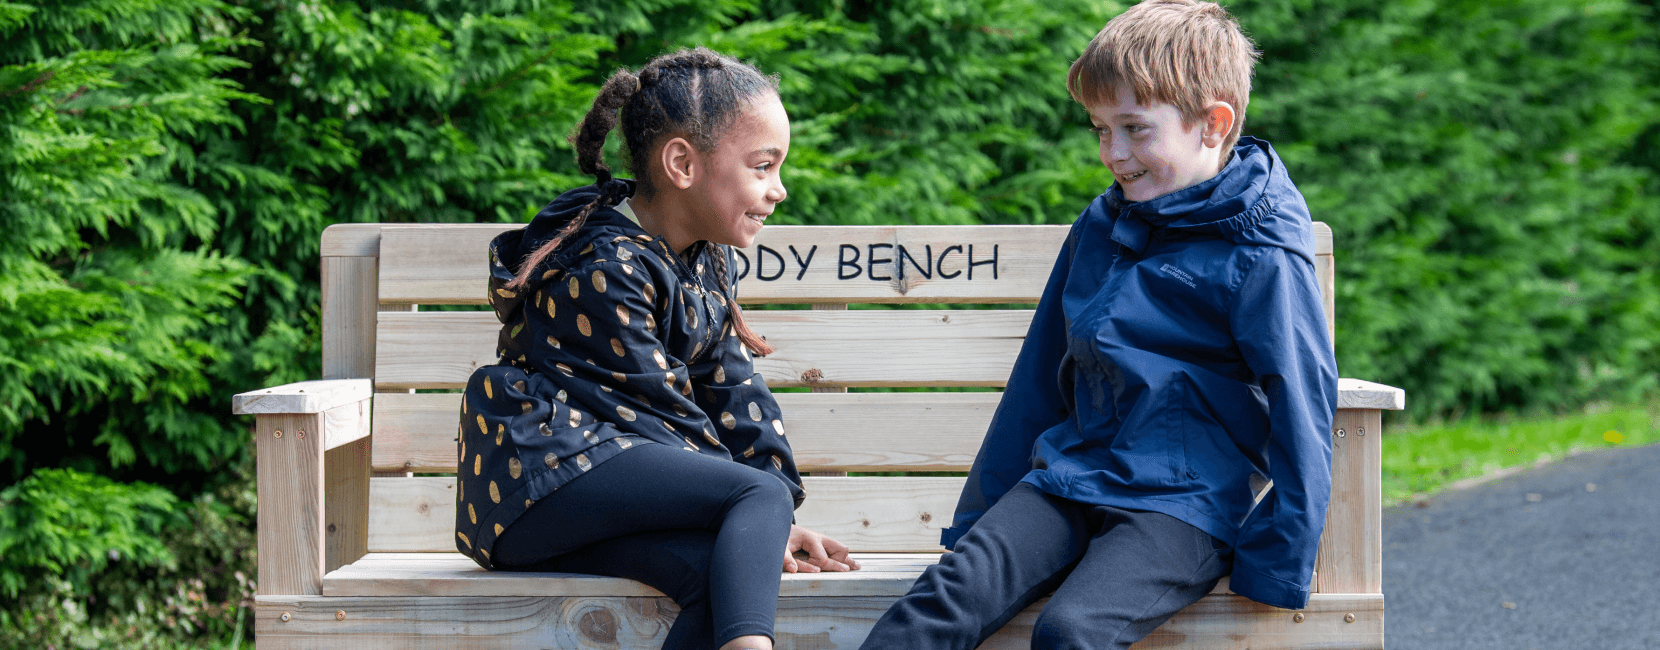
(1177, 366)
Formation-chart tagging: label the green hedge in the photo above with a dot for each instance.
(166, 166)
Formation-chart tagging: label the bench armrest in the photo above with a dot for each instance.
(303, 397)
(1357, 394)
(304, 442)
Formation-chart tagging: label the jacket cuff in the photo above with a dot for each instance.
(1267, 589)
(949, 536)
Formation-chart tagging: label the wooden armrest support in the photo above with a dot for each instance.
(303, 397)
(1357, 394)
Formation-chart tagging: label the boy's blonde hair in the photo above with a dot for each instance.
(1185, 53)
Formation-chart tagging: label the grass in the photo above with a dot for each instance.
(1421, 460)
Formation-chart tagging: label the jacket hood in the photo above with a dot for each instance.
(515, 245)
(509, 249)
(1251, 201)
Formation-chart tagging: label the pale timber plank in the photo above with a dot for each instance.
(827, 432)
(1322, 239)
(453, 574)
(345, 506)
(445, 264)
(804, 623)
(289, 481)
(346, 424)
(348, 331)
(1357, 394)
(348, 311)
(1350, 558)
(303, 397)
(814, 348)
(868, 513)
(788, 264)
(1325, 271)
(356, 239)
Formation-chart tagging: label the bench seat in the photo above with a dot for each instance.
(453, 574)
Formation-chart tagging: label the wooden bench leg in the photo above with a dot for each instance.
(291, 520)
(1351, 550)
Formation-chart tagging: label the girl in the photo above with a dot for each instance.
(624, 431)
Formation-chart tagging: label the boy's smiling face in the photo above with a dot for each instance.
(1150, 151)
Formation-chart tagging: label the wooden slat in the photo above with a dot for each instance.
(1350, 559)
(447, 264)
(348, 311)
(899, 514)
(345, 505)
(1322, 239)
(847, 348)
(290, 519)
(804, 623)
(827, 432)
(1325, 271)
(454, 574)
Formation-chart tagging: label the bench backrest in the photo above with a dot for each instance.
(983, 279)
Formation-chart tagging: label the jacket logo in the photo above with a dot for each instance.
(1179, 275)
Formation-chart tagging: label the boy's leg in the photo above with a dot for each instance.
(1140, 569)
(1016, 554)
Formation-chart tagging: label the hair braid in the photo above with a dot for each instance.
(589, 139)
(751, 340)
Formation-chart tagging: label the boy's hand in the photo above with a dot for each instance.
(811, 552)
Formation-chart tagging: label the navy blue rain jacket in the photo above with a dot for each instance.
(1178, 362)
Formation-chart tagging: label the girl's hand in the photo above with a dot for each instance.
(811, 552)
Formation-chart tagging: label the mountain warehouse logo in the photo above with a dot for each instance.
(1179, 275)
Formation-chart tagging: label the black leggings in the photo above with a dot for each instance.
(708, 533)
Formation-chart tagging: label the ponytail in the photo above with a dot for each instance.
(589, 140)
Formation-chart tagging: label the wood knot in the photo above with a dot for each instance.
(812, 376)
(599, 625)
(927, 517)
(865, 523)
(423, 507)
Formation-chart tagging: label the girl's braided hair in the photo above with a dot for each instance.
(696, 93)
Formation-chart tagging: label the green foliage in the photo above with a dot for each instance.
(1495, 243)
(166, 168)
(63, 522)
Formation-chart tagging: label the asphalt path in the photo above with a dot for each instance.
(1563, 556)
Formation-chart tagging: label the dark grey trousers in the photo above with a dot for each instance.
(1115, 575)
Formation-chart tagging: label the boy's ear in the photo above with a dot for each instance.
(1219, 121)
(680, 163)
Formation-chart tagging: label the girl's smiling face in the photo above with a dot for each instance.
(740, 184)
(1150, 151)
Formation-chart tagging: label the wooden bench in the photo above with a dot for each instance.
(356, 535)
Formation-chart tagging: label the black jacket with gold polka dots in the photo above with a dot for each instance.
(615, 342)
